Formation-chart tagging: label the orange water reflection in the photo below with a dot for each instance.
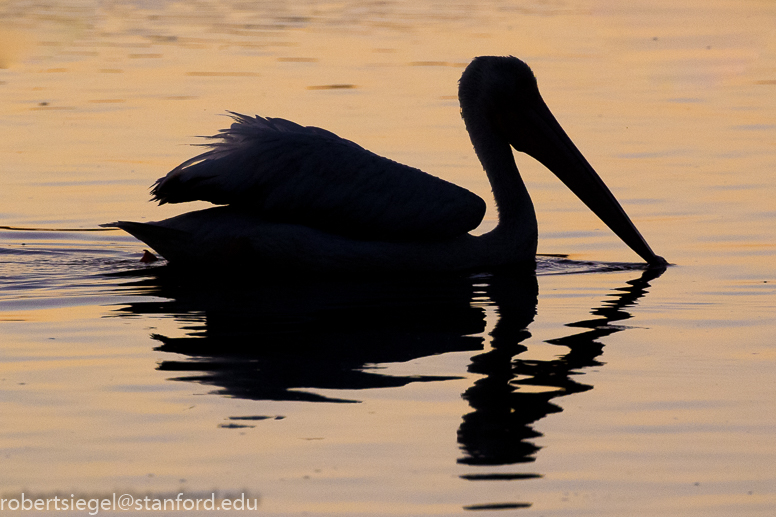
(672, 102)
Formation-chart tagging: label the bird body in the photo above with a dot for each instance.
(306, 175)
(301, 198)
(245, 239)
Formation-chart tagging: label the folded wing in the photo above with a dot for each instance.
(306, 175)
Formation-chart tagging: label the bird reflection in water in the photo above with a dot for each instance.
(284, 340)
(280, 340)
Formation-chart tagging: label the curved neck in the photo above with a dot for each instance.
(517, 217)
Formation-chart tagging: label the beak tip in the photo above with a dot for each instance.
(658, 262)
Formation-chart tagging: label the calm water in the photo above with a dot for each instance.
(593, 388)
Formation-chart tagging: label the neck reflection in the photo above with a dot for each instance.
(499, 430)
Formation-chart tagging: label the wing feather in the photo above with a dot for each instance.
(306, 175)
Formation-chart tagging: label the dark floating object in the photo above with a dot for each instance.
(148, 257)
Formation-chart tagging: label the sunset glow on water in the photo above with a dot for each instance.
(593, 388)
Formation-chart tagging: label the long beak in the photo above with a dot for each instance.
(544, 139)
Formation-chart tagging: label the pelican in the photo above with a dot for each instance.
(303, 199)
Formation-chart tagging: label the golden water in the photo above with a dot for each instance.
(598, 392)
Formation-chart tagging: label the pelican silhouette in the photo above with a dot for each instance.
(302, 198)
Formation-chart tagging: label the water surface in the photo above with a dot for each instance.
(594, 387)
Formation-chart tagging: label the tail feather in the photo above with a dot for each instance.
(167, 242)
